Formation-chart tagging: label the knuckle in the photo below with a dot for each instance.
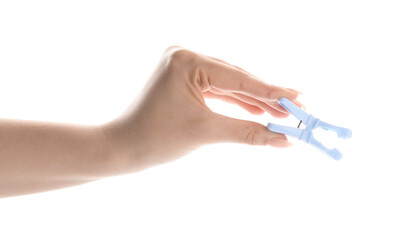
(270, 93)
(242, 84)
(172, 48)
(181, 56)
(251, 137)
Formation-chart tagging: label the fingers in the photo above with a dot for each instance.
(226, 129)
(267, 107)
(239, 84)
(248, 107)
(249, 100)
(222, 61)
(249, 85)
(225, 77)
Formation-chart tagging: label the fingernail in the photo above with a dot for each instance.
(278, 142)
(293, 90)
(302, 106)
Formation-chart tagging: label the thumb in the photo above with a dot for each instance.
(226, 129)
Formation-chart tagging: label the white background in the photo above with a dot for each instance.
(85, 61)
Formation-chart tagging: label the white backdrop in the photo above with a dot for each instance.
(85, 61)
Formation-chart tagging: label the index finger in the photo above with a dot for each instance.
(229, 78)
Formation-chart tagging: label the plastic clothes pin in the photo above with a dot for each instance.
(311, 123)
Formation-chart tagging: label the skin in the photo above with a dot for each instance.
(168, 120)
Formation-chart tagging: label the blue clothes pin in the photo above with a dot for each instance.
(311, 123)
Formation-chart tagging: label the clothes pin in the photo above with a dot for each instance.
(311, 123)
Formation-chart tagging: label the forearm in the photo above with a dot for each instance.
(36, 156)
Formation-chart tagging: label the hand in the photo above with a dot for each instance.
(171, 118)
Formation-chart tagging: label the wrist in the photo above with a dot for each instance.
(120, 140)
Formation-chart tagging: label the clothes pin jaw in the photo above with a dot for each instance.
(311, 123)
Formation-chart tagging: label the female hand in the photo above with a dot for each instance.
(171, 118)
